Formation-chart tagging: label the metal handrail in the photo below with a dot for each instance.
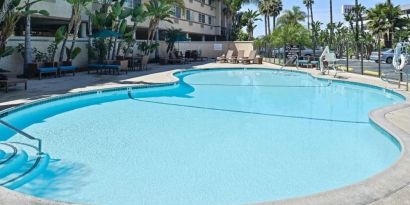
(294, 57)
(39, 143)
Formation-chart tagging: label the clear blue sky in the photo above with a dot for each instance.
(320, 9)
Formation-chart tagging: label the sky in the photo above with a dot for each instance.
(321, 10)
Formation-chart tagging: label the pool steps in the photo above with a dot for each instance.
(20, 164)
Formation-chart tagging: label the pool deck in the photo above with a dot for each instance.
(390, 187)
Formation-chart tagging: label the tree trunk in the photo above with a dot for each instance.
(313, 31)
(269, 31)
(266, 26)
(27, 43)
(379, 53)
(274, 22)
(75, 35)
(361, 43)
(357, 30)
(308, 16)
(331, 23)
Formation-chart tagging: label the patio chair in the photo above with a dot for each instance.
(7, 81)
(176, 59)
(236, 59)
(224, 58)
(143, 63)
(45, 70)
(252, 56)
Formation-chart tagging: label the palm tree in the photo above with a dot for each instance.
(25, 11)
(249, 17)
(172, 35)
(331, 24)
(393, 15)
(276, 8)
(307, 3)
(264, 8)
(378, 24)
(77, 7)
(8, 20)
(157, 10)
(356, 33)
(232, 7)
(293, 16)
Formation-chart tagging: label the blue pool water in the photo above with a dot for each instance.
(219, 137)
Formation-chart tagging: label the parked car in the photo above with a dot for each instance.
(305, 52)
(385, 56)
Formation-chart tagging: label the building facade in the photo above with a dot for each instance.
(200, 20)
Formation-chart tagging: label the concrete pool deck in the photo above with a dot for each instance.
(389, 187)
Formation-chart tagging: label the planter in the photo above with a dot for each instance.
(32, 69)
(163, 61)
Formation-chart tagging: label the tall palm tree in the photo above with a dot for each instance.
(249, 17)
(264, 8)
(232, 7)
(292, 16)
(158, 10)
(77, 6)
(393, 15)
(331, 24)
(25, 11)
(379, 25)
(307, 3)
(276, 8)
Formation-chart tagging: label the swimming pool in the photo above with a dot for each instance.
(229, 136)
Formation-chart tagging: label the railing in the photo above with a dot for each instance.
(25, 135)
(291, 60)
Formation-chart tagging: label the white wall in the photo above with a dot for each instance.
(14, 63)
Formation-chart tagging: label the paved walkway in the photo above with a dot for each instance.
(157, 74)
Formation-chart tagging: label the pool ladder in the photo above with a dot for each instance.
(39, 142)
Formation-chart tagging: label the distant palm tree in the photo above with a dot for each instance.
(232, 7)
(393, 15)
(356, 34)
(276, 8)
(378, 25)
(331, 23)
(248, 19)
(157, 10)
(307, 3)
(264, 8)
(292, 16)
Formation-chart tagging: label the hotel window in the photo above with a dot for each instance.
(201, 18)
(190, 15)
(177, 12)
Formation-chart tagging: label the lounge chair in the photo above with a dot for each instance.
(44, 70)
(224, 58)
(236, 59)
(252, 56)
(6, 82)
(143, 63)
(67, 67)
(173, 58)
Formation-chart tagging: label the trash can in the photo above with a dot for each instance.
(258, 60)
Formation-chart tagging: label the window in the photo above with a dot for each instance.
(210, 20)
(201, 18)
(177, 12)
(188, 15)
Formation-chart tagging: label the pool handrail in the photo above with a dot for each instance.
(39, 142)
